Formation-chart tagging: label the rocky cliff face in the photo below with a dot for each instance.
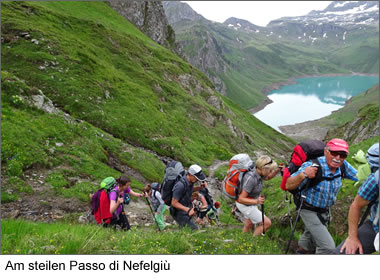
(208, 56)
(177, 11)
(150, 18)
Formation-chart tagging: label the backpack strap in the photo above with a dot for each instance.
(238, 188)
(113, 190)
(319, 177)
(184, 183)
(154, 194)
(316, 180)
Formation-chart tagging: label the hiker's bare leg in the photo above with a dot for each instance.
(248, 225)
(259, 227)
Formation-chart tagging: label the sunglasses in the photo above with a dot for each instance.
(268, 163)
(336, 153)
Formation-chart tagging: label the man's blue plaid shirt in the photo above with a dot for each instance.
(369, 190)
(324, 194)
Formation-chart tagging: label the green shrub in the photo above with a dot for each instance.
(6, 197)
(57, 181)
(19, 185)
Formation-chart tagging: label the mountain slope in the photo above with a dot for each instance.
(86, 95)
(243, 59)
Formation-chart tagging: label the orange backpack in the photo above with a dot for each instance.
(239, 165)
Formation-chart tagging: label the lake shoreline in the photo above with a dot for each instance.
(293, 80)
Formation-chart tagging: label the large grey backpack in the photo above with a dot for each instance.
(174, 171)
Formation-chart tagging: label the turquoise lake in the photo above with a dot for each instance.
(312, 98)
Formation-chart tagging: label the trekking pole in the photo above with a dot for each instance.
(295, 223)
(151, 210)
(262, 215)
(288, 202)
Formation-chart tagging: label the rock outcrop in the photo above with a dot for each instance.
(150, 18)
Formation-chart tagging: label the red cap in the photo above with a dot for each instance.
(338, 145)
(217, 204)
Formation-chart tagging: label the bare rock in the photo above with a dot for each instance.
(14, 214)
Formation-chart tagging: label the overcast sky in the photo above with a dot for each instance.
(256, 12)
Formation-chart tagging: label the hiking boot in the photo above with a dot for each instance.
(302, 251)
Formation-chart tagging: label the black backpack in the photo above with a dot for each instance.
(174, 171)
(206, 194)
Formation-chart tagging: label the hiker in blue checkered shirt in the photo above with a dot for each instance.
(361, 238)
(315, 211)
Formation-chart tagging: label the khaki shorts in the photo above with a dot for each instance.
(250, 212)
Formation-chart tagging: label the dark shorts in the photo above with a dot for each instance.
(122, 221)
(201, 214)
(366, 236)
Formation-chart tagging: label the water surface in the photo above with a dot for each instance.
(312, 98)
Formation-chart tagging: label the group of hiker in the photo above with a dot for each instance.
(184, 199)
(313, 175)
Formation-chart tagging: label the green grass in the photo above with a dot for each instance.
(126, 102)
(127, 67)
(350, 110)
(71, 238)
(121, 90)
(22, 237)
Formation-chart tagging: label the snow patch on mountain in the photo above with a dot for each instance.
(338, 5)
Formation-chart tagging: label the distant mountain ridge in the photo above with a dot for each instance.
(243, 59)
(349, 12)
(340, 20)
(243, 24)
(177, 11)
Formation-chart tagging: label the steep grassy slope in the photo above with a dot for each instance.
(360, 53)
(112, 88)
(351, 109)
